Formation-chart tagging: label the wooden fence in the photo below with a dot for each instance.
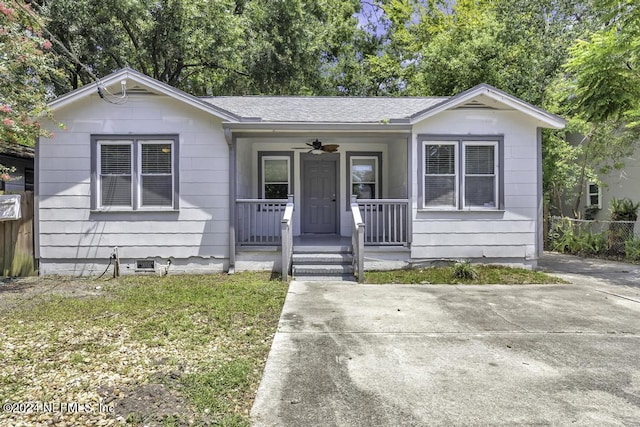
(16, 241)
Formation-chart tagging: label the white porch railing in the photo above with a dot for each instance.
(286, 233)
(258, 221)
(357, 240)
(387, 221)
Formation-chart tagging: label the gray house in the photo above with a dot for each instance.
(168, 180)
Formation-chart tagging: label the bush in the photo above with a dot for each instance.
(632, 249)
(465, 270)
(566, 237)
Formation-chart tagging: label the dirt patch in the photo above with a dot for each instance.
(17, 293)
(158, 402)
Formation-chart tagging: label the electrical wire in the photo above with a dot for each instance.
(106, 269)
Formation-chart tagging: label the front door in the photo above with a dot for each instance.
(319, 201)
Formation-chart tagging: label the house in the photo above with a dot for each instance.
(615, 184)
(166, 180)
(19, 157)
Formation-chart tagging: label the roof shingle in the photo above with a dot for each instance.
(304, 109)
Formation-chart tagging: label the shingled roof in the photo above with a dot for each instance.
(306, 109)
(16, 150)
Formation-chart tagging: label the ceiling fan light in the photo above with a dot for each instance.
(314, 151)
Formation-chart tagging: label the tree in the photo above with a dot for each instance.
(600, 92)
(26, 68)
(218, 47)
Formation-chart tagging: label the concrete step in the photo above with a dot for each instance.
(322, 270)
(343, 278)
(333, 249)
(322, 258)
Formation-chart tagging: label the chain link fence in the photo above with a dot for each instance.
(591, 237)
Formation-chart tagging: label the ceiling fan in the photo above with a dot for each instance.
(317, 147)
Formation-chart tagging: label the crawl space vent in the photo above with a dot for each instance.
(146, 265)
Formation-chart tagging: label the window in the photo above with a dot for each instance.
(275, 172)
(135, 172)
(594, 195)
(364, 177)
(28, 179)
(461, 174)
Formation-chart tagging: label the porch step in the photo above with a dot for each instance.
(322, 263)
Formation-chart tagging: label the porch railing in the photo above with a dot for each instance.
(357, 240)
(387, 221)
(286, 233)
(258, 221)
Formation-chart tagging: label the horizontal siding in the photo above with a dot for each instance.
(135, 239)
(474, 226)
(135, 227)
(103, 252)
(68, 228)
(473, 239)
(454, 252)
(63, 214)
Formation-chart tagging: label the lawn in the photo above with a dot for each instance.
(167, 351)
(486, 275)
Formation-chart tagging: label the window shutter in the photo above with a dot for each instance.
(440, 178)
(157, 176)
(480, 176)
(115, 171)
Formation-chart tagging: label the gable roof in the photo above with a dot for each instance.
(368, 110)
(146, 82)
(500, 100)
(323, 109)
(320, 109)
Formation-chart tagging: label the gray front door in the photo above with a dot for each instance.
(319, 201)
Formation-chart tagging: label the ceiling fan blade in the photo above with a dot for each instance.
(330, 148)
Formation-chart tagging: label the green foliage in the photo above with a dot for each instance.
(487, 274)
(624, 210)
(632, 249)
(464, 270)
(568, 237)
(26, 70)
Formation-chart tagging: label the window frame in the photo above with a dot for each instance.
(590, 194)
(461, 142)
(463, 173)
(135, 141)
(274, 155)
(456, 174)
(377, 155)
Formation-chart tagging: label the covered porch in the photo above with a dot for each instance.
(288, 194)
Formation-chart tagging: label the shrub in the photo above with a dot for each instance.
(632, 249)
(465, 270)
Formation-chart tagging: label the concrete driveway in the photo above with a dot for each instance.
(394, 355)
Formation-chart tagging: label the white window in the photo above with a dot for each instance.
(594, 195)
(480, 183)
(461, 174)
(364, 177)
(276, 179)
(440, 175)
(135, 173)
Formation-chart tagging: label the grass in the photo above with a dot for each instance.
(486, 275)
(200, 340)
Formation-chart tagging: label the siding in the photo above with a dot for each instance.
(503, 235)
(75, 240)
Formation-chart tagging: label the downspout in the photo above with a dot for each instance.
(36, 206)
(231, 142)
(410, 195)
(540, 199)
